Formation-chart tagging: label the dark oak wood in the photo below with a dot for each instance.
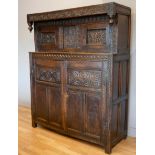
(80, 72)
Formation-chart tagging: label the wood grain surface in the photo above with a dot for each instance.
(40, 141)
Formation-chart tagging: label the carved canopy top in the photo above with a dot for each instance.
(110, 9)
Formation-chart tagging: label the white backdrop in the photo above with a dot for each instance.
(26, 44)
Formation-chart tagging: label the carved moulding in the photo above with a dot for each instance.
(107, 99)
(70, 56)
(107, 8)
(30, 24)
(111, 9)
(73, 21)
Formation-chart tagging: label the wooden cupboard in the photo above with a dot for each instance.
(80, 72)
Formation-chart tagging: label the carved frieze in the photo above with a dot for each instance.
(74, 21)
(68, 13)
(84, 78)
(48, 75)
(109, 8)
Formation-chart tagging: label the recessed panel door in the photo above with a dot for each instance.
(93, 115)
(41, 104)
(55, 107)
(75, 113)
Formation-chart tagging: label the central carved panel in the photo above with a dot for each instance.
(48, 75)
(96, 36)
(71, 38)
(85, 78)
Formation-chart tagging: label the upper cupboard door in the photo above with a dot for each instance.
(95, 36)
(46, 37)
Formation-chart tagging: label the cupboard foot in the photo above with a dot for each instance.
(108, 150)
(34, 124)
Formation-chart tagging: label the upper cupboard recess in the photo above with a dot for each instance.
(85, 33)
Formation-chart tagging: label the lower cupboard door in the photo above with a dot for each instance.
(93, 116)
(55, 107)
(41, 105)
(75, 113)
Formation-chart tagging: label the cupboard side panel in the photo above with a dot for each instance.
(123, 33)
(120, 100)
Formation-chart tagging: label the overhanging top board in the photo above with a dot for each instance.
(111, 9)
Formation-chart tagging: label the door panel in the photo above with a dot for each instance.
(93, 115)
(46, 37)
(41, 103)
(75, 115)
(55, 107)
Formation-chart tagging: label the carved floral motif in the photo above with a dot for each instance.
(47, 37)
(49, 75)
(96, 36)
(85, 78)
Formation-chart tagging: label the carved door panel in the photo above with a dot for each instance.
(41, 104)
(46, 37)
(85, 78)
(71, 37)
(93, 115)
(48, 92)
(95, 36)
(75, 114)
(55, 107)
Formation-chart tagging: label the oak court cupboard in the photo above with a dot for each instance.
(80, 72)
